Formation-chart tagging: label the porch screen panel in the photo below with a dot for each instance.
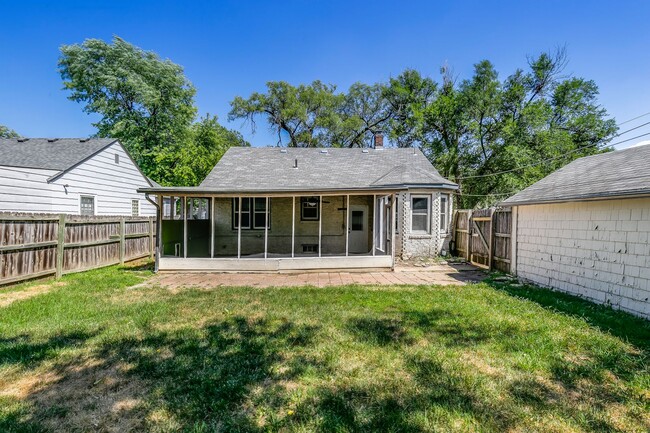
(198, 226)
(253, 217)
(279, 236)
(308, 212)
(225, 231)
(172, 241)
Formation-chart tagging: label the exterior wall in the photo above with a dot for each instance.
(279, 235)
(411, 245)
(596, 249)
(27, 190)
(113, 186)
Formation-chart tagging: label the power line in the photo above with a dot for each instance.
(634, 118)
(560, 157)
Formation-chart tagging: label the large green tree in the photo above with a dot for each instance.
(143, 100)
(147, 103)
(496, 137)
(304, 114)
(6, 132)
(191, 162)
(314, 115)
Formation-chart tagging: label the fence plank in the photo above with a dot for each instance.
(484, 237)
(35, 245)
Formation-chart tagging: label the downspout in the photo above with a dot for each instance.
(158, 231)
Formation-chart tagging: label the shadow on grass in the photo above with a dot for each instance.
(203, 379)
(618, 323)
(27, 352)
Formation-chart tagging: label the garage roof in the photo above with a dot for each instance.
(607, 175)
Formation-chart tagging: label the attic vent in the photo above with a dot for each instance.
(83, 140)
(364, 151)
(22, 140)
(323, 151)
(51, 140)
(283, 150)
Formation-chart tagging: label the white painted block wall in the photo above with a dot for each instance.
(599, 250)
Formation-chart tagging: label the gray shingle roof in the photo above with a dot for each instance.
(62, 154)
(272, 169)
(620, 173)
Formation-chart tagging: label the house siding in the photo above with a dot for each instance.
(596, 249)
(414, 245)
(113, 186)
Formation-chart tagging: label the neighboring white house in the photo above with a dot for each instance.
(306, 208)
(73, 176)
(585, 229)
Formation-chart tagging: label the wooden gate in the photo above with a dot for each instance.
(482, 237)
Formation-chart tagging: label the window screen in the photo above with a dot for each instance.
(253, 213)
(87, 205)
(309, 208)
(444, 212)
(357, 220)
(420, 214)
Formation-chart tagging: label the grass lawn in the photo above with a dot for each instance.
(94, 353)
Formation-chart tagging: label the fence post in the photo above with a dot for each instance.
(468, 251)
(122, 240)
(492, 237)
(60, 244)
(151, 247)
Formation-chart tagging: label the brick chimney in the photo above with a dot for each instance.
(379, 140)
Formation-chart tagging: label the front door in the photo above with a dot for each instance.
(358, 229)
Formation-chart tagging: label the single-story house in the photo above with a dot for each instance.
(94, 176)
(275, 209)
(585, 229)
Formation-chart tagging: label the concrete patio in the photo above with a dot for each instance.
(440, 274)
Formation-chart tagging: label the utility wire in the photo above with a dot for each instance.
(634, 118)
(561, 157)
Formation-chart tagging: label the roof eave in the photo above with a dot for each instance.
(585, 197)
(212, 190)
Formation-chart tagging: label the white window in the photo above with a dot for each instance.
(309, 208)
(253, 213)
(444, 212)
(87, 205)
(420, 214)
(135, 208)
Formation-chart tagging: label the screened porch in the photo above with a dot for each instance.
(276, 232)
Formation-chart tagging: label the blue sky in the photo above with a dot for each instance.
(231, 48)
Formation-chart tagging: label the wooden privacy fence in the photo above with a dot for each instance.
(483, 236)
(38, 245)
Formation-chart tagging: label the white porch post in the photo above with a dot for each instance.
(184, 204)
(320, 224)
(393, 211)
(266, 227)
(293, 225)
(374, 224)
(239, 230)
(212, 207)
(347, 226)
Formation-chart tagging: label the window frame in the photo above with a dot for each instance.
(94, 204)
(135, 201)
(303, 201)
(420, 212)
(446, 211)
(252, 212)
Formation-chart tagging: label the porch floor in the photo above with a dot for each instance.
(442, 274)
